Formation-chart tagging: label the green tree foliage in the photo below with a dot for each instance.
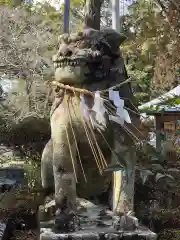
(148, 49)
(140, 50)
(11, 3)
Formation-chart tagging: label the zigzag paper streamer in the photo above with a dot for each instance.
(99, 108)
(122, 114)
(84, 108)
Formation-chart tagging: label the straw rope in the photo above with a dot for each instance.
(85, 91)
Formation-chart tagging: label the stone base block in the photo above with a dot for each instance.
(95, 222)
(99, 233)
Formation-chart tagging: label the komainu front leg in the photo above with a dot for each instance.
(65, 183)
(64, 179)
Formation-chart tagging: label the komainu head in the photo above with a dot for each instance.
(87, 57)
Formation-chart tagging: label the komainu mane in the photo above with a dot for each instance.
(86, 129)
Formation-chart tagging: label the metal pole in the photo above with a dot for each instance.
(66, 15)
(115, 15)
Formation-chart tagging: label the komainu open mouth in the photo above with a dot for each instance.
(64, 62)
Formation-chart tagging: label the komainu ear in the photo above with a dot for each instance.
(114, 38)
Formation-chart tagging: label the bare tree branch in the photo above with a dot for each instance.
(24, 52)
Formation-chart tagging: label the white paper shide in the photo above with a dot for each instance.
(121, 115)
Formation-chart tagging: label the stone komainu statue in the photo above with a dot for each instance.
(87, 60)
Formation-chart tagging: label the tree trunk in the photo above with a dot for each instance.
(92, 13)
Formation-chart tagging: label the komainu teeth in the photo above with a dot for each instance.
(66, 62)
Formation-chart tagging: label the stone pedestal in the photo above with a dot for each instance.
(95, 222)
(96, 234)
